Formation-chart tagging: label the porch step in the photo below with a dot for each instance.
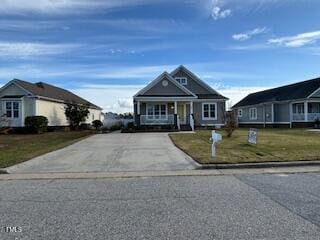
(185, 127)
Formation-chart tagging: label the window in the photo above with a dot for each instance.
(181, 80)
(298, 108)
(209, 111)
(253, 114)
(239, 112)
(12, 109)
(157, 111)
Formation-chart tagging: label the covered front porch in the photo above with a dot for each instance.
(177, 114)
(306, 111)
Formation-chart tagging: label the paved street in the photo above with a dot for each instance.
(265, 206)
(112, 152)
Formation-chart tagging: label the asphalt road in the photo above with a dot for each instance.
(268, 206)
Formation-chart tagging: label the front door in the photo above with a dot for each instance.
(182, 113)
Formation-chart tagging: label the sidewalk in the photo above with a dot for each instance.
(209, 172)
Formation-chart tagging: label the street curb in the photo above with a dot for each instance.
(260, 165)
(3, 171)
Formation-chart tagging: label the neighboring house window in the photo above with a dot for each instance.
(12, 109)
(253, 113)
(157, 111)
(209, 111)
(298, 108)
(240, 113)
(181, 80)
(92, 116)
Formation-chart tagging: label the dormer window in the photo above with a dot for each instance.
(181, 80)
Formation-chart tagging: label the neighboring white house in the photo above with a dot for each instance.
(19, 99)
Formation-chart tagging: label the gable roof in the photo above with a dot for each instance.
(42, 89)
(212, 94)
(294, 91)
(164, 75)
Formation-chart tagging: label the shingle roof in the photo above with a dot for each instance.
(211, 96)
(294, 91)
(46, 90)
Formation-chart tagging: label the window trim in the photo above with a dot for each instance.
(256, 115)
(215, 110)
(12, 109)
(150, 117)
(240, 111)
(178, 79)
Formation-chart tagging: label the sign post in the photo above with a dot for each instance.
(215, 138)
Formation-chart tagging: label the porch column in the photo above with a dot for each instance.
(291, 114)
(272, 112)
(306, 111)
(138, 114)
(191, 107)
(138, 107)
(175, 107)
(175, 114)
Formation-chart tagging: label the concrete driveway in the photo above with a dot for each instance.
(112, 152)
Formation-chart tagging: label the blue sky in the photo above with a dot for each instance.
(106, 50)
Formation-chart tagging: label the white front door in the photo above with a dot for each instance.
(182, 113)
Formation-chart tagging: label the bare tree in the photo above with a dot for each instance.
(230, 122)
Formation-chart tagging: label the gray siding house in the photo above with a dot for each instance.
(179, 99)
(294, 105)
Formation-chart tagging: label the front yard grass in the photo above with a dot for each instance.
(273, 145)
(17, 148)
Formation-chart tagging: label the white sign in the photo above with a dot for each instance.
(252, 136)
(215, 138)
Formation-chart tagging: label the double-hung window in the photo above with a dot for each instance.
(209, 111)
(157, 111)
(298, 108)
(239, 112)
(253, 113)
(181, 80)
(12, 109)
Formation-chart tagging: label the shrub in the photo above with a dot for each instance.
(85, 126)
(317, 123)
(76, 114)
(230, 123)
(130, 128)
(36, 124)
(97, 124)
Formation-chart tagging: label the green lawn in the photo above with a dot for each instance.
(17, 148)
(273, 145)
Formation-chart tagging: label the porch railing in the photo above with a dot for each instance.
(313, 116)
(298, 117)
(157, 119)
(301, 116)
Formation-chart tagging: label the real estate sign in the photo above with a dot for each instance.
(252, 136)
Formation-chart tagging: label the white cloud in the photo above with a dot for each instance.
(299, 40)
(28, 49)
(248, 34)
(134, 72)
(236, 93)
(64, 6)
(112, 98)
(217, 12)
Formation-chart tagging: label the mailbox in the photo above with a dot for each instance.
(215, 138)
